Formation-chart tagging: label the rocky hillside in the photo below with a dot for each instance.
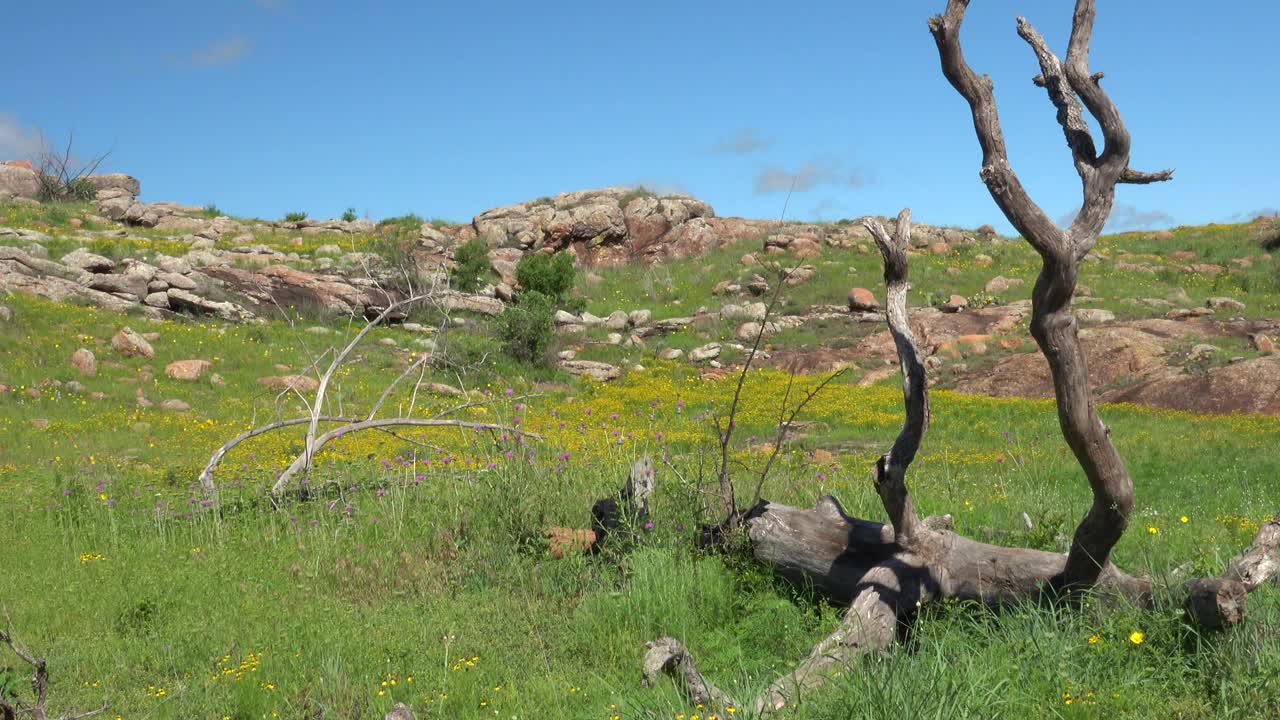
(1182, 319)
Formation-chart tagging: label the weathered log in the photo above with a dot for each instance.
(1217, 603)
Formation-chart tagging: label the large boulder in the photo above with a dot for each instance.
(82, 259)
(187, 369)
(18, 181)
(114, 181)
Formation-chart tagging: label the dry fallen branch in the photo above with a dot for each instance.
(38, 710)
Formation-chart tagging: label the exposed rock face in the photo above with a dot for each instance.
(18, 181)
(863, 300)
(115, 181)
(601, 226)
(82, 259)
(284, 286)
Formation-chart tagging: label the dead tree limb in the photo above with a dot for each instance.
(1216, 603)
(1072, 89)
(38, 709)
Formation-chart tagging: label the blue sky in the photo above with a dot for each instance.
(446, 109)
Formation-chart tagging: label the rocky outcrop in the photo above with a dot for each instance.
(282, 286)
(600, 226)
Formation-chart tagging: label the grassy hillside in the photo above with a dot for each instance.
(416, 570)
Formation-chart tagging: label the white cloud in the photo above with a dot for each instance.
(813, 174)
(744, 141)
(226, 51)
(17, 142)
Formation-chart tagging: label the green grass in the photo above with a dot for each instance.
(115, 572)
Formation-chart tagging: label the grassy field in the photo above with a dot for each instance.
(420, 574)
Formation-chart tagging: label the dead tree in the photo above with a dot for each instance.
(885, 572)
(340, 425)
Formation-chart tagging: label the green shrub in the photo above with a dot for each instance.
(639, 191)
(410, 223)
(470, 264)
(526, 327)
(549, 275)
(211, 211)
(294, 217)
(349, 215)
(81, 189)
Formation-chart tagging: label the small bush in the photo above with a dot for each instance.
(410, 223)
(295, 217)
(639, 191)
(470, 265)
(211, 211)
(549, 275)
(349, 215)
(525, 328)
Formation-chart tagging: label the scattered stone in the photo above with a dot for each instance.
(1204, 269)
(863, 300)
(85, 361)
(216, 379)
(1095, 316)
(1201, 351)
(400, 711)
(617, 320)
(1000, 284)
(442, 389)
(188, 370)
(6, 314)
(955, 304)
(564, 318)
(129, 344)
(287, 383)
(710, 351)
(639, 317)
(670, 354)
(599, 371)
(1186, 313)
(982, 260)
(1224, 303)
(1264, 344)
(614, 338)
(175, 405)
(157, 300)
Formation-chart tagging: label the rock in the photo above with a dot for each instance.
(800, 274)
(135, 287)
(1095, 315)
(757, 286)
(748, 331)
(590, 320)
(6, 315)
(129, 344)
(1263, 343)
(400, 711)
(216, 379)
(1224, 303)
(710, 351)
(982, 260)
(187, 369)
(863, 300)
(85, 361)
(599, 371)
(750, 312)
(175, 280)
(159, 299)
(82, 259)
(614, 338)
(175, 405)
(955, 304)
(74, 386)
(328, 250)
(564, 318)
(670, 354)
(114, 181)
(1000, 284)
(1186, 313)
(442, 389)
(567, 354)
(617, 320)
(639, 317)
(940, 248)
(1201, 351)
(1204, 269)
(18, 181)
(183, 300)
(287, 383)
(454, 302)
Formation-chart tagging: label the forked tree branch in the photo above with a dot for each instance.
(891, 468)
